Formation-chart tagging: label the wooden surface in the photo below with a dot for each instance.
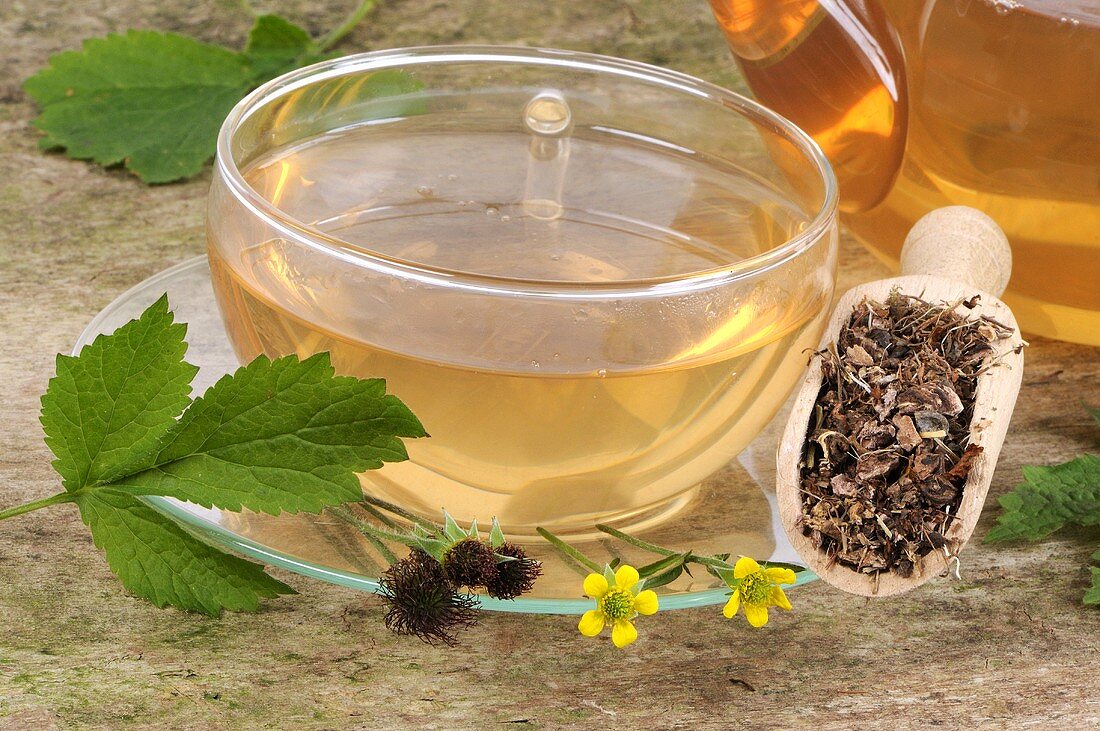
(1008, 647)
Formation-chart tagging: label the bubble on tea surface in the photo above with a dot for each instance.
(547, 114)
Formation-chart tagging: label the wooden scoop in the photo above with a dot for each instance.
(951, 254)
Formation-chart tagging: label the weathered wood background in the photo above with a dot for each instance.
(1011, 646)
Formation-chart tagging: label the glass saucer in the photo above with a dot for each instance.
(732, 512)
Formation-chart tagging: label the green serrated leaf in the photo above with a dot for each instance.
(274, 436)
(282, 435)
(1050, 498)
(108, 408)
(275, 46)
(496, 535)
(1092, 596)
(159, 561)
(153, 101)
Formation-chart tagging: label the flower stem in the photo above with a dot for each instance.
(710, 561)
(381, 547)
(61, 497)
(352, 519)
(653, 548)
(373, 531)
(334, 36)
(379, 515)
(636, 542)
(569, 551)
(402, 513)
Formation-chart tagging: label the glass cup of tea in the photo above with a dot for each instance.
(594, 281)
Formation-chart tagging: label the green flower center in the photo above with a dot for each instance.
(755, 589)
(617, 604)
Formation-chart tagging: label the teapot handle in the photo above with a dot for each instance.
(962, 244)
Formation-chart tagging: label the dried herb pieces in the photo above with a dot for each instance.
(888, 451)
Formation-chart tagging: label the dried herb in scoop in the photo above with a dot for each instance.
(888, 450)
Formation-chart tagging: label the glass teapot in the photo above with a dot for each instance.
(925, 103)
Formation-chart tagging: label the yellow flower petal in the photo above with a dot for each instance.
(591, 623)
(646, 602)
(757, 614)
(626, 577)
(779, 576)
(780, 599)
(623, 632)
(731, 606)
(595, 585)
(744, 567)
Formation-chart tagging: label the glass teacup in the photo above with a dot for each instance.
(588, 277)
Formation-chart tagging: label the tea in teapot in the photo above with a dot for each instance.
(926, 103)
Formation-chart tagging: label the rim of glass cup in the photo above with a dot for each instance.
(770, 121)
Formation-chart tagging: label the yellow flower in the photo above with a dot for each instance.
(616, 605)
(757, 589)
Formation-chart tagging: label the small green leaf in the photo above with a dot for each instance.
(109, 407)
(609, 574)
(664, 578)
(663, 564)
(452, 530)
(1050, 498)
(153, 101)
(797, 568)
(159, 561)
(433, 548)
(473, 531)
(496, 535)
(282, 435)
(725, 575)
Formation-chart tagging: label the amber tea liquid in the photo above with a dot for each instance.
(529, 421)
(985, 103)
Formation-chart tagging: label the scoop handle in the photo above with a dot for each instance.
(962, 244)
